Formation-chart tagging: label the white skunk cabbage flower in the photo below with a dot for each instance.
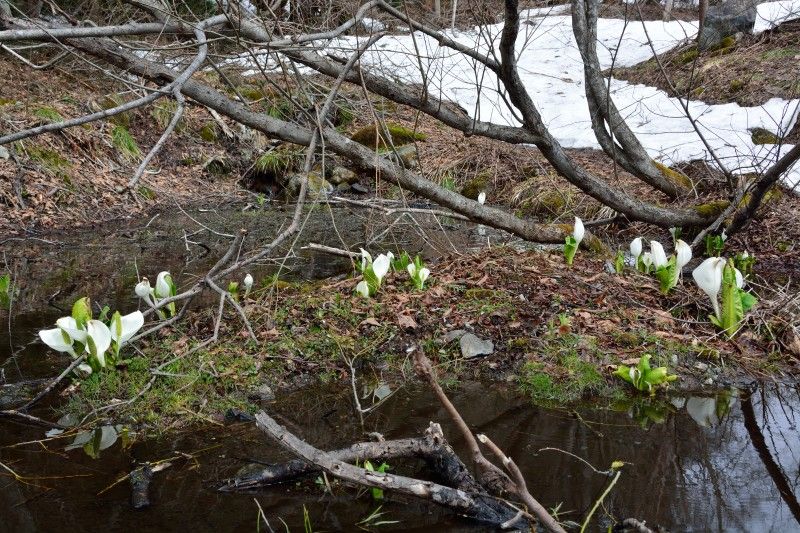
(482, 198)
(70, 326)
(739, 278)
(636, 248)
(98, 340)
(683, 254)
(143, 289)
(657, 254)
(125, 327)
(163, 285)
(578, 230)
(366, 259)
(708, 276)
(424, 274)
(363, 289)
(99, 335)
(381, 266)
(248, 284)
(57, 339)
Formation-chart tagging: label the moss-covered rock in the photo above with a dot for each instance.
(317, 185)
(763, 136)
(480, 183)
(342, 175)
(375, 138)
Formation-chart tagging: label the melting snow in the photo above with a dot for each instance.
(551, 68)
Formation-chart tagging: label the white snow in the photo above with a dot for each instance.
(551, 68)
(771, 14)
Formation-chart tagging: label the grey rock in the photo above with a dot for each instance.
(451, 336)
(342, 175)
(357, 187)
(725, 20)
(263, 393)
(4, 153)
(473, 346)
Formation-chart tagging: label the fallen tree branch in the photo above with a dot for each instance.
(477, 506)
(431, 448)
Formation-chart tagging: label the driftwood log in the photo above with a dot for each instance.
(474, 503)
(432, 448)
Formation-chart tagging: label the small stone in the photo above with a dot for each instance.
(473, 346)
(4, 153)
(357, 187)
(263, 393)
(342, 175)
(451, 336)
(702, 367)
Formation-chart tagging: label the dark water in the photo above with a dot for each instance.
(729, 462)
(692, 472)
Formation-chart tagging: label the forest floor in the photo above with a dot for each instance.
(557, 332)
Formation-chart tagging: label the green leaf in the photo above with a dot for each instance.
(732, 309)
(667, 275)
(82, 311)
(619, 262)
(748, 300)
(570, 248)
(5, 291)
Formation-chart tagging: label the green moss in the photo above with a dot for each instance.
(781, 53)
(479, 183)
(763, 136)
(711, 209)
(251, 92)
(688, 56)
(209, 132)
(737, 85)
(123, 141)
(698, 91)
(725, 46)
(567, 378)
(114, 100)
(146, 192)
(163, 112)
(674, 176)
(49, 160)
(218, 166)
(48, 114)
(373, 137)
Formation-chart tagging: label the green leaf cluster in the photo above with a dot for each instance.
(643, 377)
(570, 248)
(735, 302)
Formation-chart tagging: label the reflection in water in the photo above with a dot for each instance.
(740, 473)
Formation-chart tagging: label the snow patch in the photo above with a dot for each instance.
(551, 69)
(772, 14)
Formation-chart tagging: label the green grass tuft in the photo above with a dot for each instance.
(48, 114)
(123, 141)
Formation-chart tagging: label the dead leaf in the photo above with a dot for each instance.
(406, 322)
(370, 321)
